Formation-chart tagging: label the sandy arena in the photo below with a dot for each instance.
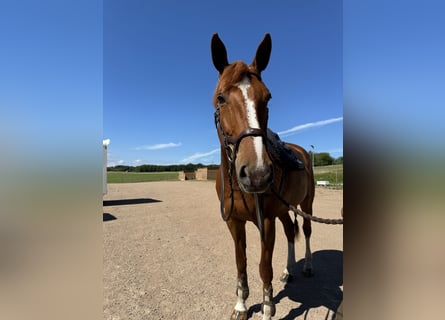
(168, 255)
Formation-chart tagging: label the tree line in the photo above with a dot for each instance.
(319, 159)
(190, 167)
(324, 159)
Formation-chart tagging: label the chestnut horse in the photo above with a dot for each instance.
(250, 184)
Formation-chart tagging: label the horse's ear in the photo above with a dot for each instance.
(219, 53)
(263, 54)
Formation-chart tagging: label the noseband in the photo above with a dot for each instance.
(231, 153)
(229, 140)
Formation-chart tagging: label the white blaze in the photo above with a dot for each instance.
(252, 119)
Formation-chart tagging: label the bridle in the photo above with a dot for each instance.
(231, 157)
(231, 145)
(235, 142)
(229, 140)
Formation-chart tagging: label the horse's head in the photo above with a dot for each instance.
(241, 115)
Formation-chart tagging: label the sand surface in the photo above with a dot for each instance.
(168, 255)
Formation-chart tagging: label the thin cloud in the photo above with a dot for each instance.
(309, 125)
(199, 155)
(160, 146)
(112, 163)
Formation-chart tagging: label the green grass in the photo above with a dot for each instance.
(129, 177)
(333, 174)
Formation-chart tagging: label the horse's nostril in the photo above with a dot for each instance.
(242, 172)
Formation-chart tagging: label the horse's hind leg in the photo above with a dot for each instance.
(238, 231)
(291, 231)
(306, 206)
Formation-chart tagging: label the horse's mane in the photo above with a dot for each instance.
(233, 74)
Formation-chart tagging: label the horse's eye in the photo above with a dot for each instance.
(220, 99)
(269, 96)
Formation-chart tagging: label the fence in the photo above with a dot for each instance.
(200, 174)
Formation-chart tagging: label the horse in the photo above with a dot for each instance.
(251, 183)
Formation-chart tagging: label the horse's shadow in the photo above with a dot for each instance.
(323, 289)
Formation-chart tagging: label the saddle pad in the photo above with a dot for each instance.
(282, 154)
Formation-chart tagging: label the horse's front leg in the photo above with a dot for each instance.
(238, 230)
(266, 270)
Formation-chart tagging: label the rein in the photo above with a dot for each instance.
(304, 214)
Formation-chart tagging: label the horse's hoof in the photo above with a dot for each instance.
(308, 273)
(286, 277)
(239, 315)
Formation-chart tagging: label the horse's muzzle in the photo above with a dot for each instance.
(255, 179)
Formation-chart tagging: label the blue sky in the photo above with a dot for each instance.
(158, 77)
(50, 82)
(394, 74)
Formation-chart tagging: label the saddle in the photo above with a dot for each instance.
(282, 154)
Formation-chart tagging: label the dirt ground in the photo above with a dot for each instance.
(168, 255)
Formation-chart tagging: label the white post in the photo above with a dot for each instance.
(105, 144)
